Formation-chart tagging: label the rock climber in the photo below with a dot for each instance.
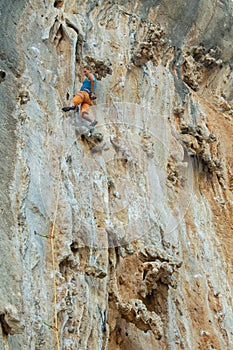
(85, 96)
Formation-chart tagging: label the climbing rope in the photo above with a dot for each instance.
(52, 241)
(52, 237)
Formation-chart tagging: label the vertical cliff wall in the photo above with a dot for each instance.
(117, 237)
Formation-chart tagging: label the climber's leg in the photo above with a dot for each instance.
(84, 111)
(78, 98)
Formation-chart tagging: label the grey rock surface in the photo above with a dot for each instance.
(116, 237)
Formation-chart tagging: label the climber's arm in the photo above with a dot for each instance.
(92, 80)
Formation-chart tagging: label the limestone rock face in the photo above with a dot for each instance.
(118, 236)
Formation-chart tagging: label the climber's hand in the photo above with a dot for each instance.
(93, 96)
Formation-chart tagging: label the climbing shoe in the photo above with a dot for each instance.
(94, 123)
(67, 109)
